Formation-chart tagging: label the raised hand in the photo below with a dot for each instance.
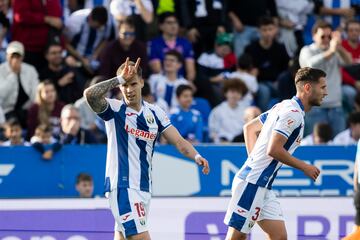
(129, 71)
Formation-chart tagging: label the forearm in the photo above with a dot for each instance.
(286, 158)
(345, 55)
(250, 138)
(190, 70)
(145, 14)
(95, 95)
(186, 149)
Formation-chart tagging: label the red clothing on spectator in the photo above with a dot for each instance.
(355, 52)
(29, 26)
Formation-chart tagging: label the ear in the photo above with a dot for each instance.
(307, 87)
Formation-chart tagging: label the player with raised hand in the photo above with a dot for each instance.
(132, 127)
(270, 140)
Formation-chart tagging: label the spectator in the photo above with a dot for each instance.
(327, 54)
(169, 40)
(69, 82)
(141, 11)
(36, 23)
(351, 135)
(164, 85)
(13, 132)
(46, 109)
(244, 16)
(70, 6)
(149, 97)
(87, 32)
(187, 121)
(322, 134)
(226, 120)
(18, 82)
(71, 132)
(44, 142)
(270, 59)
(85, 185)
(116, 52)
(250, 113)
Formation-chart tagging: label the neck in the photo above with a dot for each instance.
(54, 67)
(265, 44)
(232, 104)
(16, 141)
(353, 43)
(135, 106)
(307, 106)
(172, 76)
(125, 47)
(168, 37)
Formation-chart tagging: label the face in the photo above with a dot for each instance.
(222, 50)
(353, 32)
(232, 96)
(268, 32)
(171, 64)
(170, 26)
(70, 117)
(355, 130)
(45, 137)
(317, 92)
(54, 55)
(131, 90)
(13, 133)
(85, 189)
(48, 93)
(126, 34)
(322, 37)
(14, 59)
(185, 99)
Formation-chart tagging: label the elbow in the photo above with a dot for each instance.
(271, 151)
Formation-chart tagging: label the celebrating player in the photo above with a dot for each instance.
(270, 140)
(132, 127)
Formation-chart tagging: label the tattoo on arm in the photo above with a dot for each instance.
(95, 95)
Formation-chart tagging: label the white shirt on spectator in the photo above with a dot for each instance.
(128, 7)
(88, 4)
(344, 138)
(226, 122)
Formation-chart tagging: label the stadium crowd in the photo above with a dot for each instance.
(212, 65)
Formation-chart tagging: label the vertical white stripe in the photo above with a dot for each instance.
(112, 166)
(133, 155)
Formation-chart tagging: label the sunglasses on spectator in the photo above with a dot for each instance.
(128, 34)
(326, 36)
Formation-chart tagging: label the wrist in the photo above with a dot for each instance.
(197, 156)
(120, 79)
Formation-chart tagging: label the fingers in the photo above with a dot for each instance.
(205, 165)
(137, 63)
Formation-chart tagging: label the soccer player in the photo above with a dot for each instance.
(132, 127)
(270, 140)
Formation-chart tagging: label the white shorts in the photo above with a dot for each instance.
(251, 203)
(130, 209)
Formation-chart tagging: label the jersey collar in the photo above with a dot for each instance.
(296, 99)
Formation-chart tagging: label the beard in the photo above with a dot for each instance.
(315, 102)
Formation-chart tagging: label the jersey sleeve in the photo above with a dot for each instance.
(162, 119)
(263, 117)
(287, 122)
(108, 113)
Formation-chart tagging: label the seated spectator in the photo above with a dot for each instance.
(69, 81)
(149, 97)
(71, 132)
(250, 113)
(116, 52)
(322, 134)
(87, 32)
(351, 135)
(139, 10)
(44, 142)
(18, 82)
(13, 132)
(226, 121)
(46, 109)
(187, 121)
(85, 185)
(163, 85)
(169, 40)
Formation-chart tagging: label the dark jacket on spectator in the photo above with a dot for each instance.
(83, 137)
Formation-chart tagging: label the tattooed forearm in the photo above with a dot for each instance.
(95, 95)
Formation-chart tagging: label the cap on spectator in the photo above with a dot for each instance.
(15, 47)
(224, 38)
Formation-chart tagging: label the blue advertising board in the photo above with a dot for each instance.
(24, 174)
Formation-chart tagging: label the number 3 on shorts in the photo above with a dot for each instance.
(256, 215)
(140, 209)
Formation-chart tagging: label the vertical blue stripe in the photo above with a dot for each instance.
(336, 18)
(122, 144)
(263, 117)
(124, 208)
(90, 42)
(292, 137)
(272, 179)
(265, 175)
(144, 164)
(97, 3)
(168, 94)
(160, 126)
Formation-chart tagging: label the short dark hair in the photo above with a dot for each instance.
(265, 20)
(52, 44)
(245, 62)
(176, 54)
(146, 90)
(235, 84)
(99, 14)
(129, 21)
(308, 74)
(181, 88)
(324, 131)
(12, 122)
(131, 63)
(43, 128)
(351, 21)
(83, 177)
(320, 24)
(354, 118)
(162, 17)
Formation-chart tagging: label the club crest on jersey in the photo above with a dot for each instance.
(142, 222)
(150, 119)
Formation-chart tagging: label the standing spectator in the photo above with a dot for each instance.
(244, 16)
(169, 39)
(87, 32)
(46, 109)
(270, 59)
(69, 81)
(164, 85)
(141, 11)
(85, 185)
(351, 135)
(44, 142)
(13, 132)
(327, 54)
(187, 121)
(71, 132)
(36, 23)
(227, 119)
(18, 82)
(117, 50)
(322, 134)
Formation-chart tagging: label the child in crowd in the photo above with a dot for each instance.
(85, 185)
(13, 134)
(44, 142)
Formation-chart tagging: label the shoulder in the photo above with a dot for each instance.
(28, 67)
(115, 104)
(195, 112)
(175, 111)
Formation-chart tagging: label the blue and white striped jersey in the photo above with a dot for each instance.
(286, 118)
(131, 139)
